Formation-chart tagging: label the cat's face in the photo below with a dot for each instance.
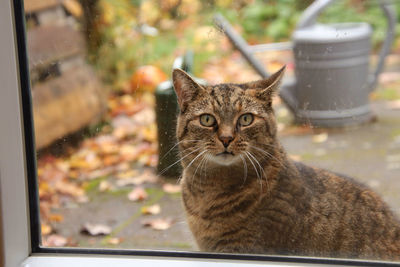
(226, 123)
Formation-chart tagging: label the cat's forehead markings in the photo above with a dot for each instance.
(225, 95)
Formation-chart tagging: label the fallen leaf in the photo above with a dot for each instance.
(172, 188)
(54, 241)
(146, 177)
(104, 186)
(127, 174)
(110, 160)
(115, 240)
(137, 194)
(46, 229)
(129, 152)
(124, 166)
(320, 138)
(123, 126)
(64, 187)
(56, 217)
(159, 223)
(96, 229)
(151, 210)
(98, 173)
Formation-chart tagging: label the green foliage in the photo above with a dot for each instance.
(275, 20)
(358, 11)
(124, 47)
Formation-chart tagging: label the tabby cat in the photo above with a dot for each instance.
(242, 194)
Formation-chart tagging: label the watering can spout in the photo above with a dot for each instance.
(287, 94)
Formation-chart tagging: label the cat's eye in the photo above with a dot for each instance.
(207, 120)
(246, 119)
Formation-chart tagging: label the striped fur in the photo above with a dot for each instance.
(255, 199)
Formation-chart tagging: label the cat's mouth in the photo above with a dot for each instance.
(225, 153)
(225, 158)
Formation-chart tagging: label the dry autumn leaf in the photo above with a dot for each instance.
(104, 186)
(114, 240)
(127, 174)
(56, 217)
(45, 229)
(67, 188)
(159, 223)
(151, 210)
(137, 194)
(172, 188)
(96, 229)
(54, 241)
(98, 173)
(320, 138)
(145, 177)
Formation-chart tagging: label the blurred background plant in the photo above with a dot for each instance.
(127, 34)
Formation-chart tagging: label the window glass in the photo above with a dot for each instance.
(105, 115)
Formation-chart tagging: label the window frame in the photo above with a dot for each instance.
(19, 204)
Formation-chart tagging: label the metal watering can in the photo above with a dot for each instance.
(333, 80)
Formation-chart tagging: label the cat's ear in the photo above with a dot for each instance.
(185, 87)
(265, 89)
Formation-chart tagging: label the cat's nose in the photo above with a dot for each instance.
(226, 140)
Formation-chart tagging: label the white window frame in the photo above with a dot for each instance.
(15, 223)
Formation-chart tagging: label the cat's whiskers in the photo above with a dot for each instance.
(179, 179)
(261, 168)
(193, 160)
(266, 153)
(170, 150)
(188, 154)
(204, 167)
(254, 166)
(245, 169)
(201, 162)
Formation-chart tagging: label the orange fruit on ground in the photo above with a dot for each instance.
(147, 78)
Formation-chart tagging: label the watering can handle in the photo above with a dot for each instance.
(389, 11)
(310, 15)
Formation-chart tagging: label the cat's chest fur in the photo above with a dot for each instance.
(320, 214)
(219, 217)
